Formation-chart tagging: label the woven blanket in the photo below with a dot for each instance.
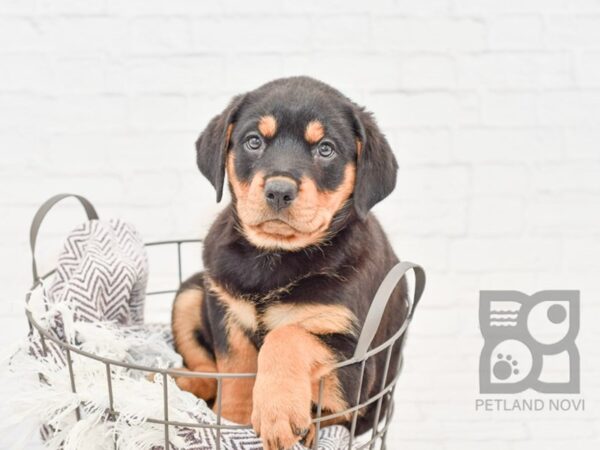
(95, 302)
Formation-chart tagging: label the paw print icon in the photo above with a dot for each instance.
(529, 342)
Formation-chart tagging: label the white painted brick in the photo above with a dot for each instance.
(148, 150)
(259, 35)
(422, 146)
(16, 217)
(19, 150)
(491, 254)
(582, 143)
(88, 113)
(154, 223)
(240, 79)
(569, 214)
(428, 71)
(516, 32)
(513, 70)
(579, 250)
(507, 145)
(82, 153)
(333, 6)
(175, 74)
(257, 7)
(19, 35)
(422, 109)
(464, 289)
(152, 188)
(366, 71)
(17, 7)
(19, 111)
(554, 444)
(434, 183)
(588, 68)
(572, 31)
(430, 34)
(567, 178)
(407, 7)
(489, 216)
(499, 280)
(437, 322)
(161, 35)
(573, 108)
(514, 180)
(136, 8)
(430, 252)
(509, 108)
(498, 7)
(21, 73)
(419, 216)
(158, 112)
(85, 36)
(501, 443)
(502, 429)
(339, 32)
(470, 109)
(203, 107)
(71, 7)
(81, 76)
(29, 189)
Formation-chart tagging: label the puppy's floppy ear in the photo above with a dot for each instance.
(213, 144)
(376, 165)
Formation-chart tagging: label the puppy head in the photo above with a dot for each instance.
(300, 157)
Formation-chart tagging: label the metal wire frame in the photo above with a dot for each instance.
(378, 432)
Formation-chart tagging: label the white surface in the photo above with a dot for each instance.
(492, 108)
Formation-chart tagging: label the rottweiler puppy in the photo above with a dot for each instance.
(293, 262)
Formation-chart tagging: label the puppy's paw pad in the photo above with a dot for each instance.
(280, 427)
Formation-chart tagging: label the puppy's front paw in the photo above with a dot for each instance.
(281, 412)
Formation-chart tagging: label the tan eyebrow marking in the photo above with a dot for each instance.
(267, 125)
(359, 147)
(314, 132)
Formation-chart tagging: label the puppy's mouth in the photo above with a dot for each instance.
(277, 227)
(281, 234)
(280, 226)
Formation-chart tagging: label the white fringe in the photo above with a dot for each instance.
(51, 401)
(44, 394)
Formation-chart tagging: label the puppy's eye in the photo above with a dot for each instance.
(253, 143)
(325, 150)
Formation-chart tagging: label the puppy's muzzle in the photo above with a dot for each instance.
(280, 192)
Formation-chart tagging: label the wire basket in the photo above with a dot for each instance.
(375, 438)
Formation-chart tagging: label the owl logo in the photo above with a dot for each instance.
(529, 342)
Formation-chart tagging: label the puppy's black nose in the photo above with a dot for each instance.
(280, 193)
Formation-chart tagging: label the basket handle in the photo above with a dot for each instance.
(380, 301)
(39, 218)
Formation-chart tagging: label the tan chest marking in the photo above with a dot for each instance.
(238, 309)
(315, 318)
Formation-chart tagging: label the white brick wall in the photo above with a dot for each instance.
(492, 106)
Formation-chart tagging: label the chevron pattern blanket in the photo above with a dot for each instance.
(102, 273)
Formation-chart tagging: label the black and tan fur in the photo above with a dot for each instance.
(288, 279)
